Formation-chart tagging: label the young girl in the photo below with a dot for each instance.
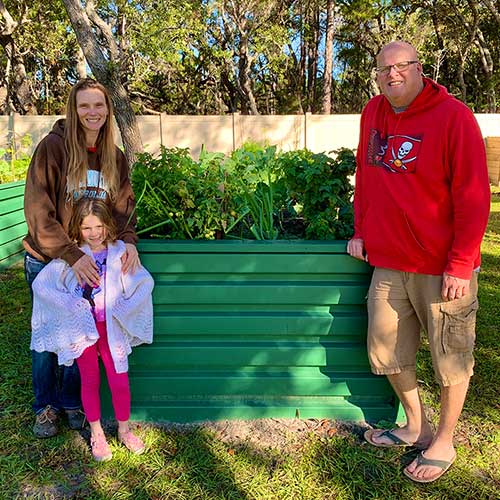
(80, 322)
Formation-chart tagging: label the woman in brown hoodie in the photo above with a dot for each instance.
(78, 158)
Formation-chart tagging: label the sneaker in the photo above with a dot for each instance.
(100, 449)
(131, 442)
(76, 419)
(46, 423)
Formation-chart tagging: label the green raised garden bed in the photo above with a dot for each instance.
(248, 329)
(12, 224)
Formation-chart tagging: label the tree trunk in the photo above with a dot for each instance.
(477, 38)
(126, 120)
(327, 75)
(81, 67)
(461, 80)
(441, 59)
(3, 99)
(303, 52)
(312, 57)
(107, 73)
(19, 91)
(488, 69)
(244, 83)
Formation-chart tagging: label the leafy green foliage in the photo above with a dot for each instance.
(182, 198)
(259, 195)
(14, 164)
(257, 192)
(12, 170)
(319, 184)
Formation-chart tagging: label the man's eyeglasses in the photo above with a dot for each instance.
(400, 67)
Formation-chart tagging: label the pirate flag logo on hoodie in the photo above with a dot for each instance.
(396, 153)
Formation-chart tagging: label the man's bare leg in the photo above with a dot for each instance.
(441, 448)
(417, 428)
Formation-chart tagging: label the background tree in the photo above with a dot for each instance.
(107, 56)
(327, 75)
(223, 56)
(37, 57)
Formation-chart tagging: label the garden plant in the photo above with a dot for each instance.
(14, 162)
(256, 192)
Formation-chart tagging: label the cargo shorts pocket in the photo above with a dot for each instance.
(458, 326)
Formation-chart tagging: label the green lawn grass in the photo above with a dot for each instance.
(195, 463)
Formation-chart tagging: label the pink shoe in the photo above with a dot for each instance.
(100, 449)
(131, 442)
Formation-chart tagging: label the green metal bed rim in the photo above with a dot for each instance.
(146, 246)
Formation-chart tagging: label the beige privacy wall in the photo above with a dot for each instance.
(226, 133)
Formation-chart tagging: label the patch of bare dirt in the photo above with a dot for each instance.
(278, 433)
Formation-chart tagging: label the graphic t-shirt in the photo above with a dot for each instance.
(96, 296)
(96, 186)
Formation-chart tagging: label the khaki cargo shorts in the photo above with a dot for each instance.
(400, 306)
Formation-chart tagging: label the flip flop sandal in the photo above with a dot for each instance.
(444, 465)
(396, 441)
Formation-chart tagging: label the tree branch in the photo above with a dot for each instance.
(104, 28)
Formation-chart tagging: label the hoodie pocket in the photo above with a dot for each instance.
(412, 233)
(388, 235)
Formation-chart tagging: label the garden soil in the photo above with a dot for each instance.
(277, 433)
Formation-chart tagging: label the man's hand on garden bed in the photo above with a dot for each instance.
(356, 249)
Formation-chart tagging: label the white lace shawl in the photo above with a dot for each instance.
(62, 322)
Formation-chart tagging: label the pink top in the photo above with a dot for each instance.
(96, 296)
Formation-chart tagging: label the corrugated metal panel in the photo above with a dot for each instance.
(12, 223)
(256, 329)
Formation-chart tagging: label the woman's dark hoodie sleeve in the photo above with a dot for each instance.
(44, 199)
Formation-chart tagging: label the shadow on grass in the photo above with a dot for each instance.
(366, 473)
(494, 220)
(183, 464)
(179, 466)
(199, 464)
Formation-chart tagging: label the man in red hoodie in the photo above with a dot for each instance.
(421, 207)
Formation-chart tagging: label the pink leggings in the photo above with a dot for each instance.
(88, 363)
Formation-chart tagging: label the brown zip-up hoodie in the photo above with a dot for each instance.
(45, 207)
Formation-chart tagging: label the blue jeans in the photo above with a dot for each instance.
(54, 385)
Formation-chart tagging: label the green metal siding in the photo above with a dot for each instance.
(247, 329)
(12, 224)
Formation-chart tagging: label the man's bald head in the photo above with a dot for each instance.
(399, 73)
(398, 45)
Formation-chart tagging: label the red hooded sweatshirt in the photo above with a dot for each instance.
(422, 194)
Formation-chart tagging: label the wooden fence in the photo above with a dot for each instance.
(493, 157)
(223, 133)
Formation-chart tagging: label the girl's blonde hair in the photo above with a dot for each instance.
(76, 146)
(90, 206)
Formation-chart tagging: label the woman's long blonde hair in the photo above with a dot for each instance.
(76, 146)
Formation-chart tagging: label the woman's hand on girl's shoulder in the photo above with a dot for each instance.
(130, 259)
(85, 270)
